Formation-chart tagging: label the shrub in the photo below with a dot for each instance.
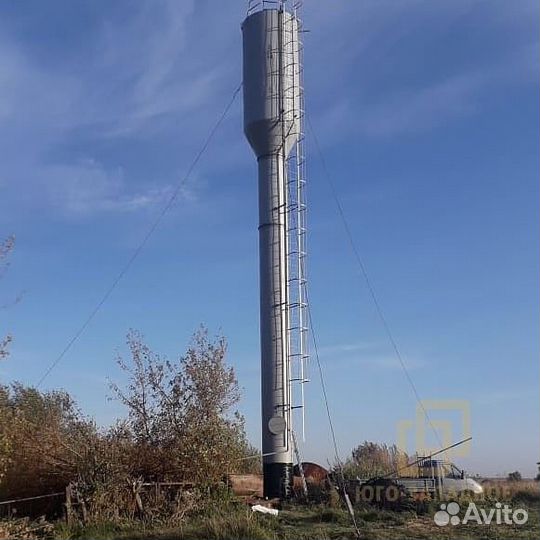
(181, 414)
(369, 460)
(514, 476)
(43, 437)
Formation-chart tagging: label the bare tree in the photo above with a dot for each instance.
(181, 413)
(6, 246)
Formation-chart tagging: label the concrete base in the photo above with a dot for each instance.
(278, 480)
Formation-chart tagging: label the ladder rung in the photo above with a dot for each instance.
(302, 355)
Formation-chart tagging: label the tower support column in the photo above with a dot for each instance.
(275, 368)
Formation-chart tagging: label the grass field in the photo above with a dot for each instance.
(235, 521)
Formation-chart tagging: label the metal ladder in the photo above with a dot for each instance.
(296, 231)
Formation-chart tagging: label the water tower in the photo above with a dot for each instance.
(273, 125)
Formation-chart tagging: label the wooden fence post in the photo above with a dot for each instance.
(69, 516)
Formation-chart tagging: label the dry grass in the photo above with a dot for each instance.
(25, 529)
(223, 518)
(505, 490)
(234, 522)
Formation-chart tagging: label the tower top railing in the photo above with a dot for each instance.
(282, 5)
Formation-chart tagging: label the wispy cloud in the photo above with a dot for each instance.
(151, 70)
(368, 354)
(371, 86)
(161, 72)
(462, 94)
(498, 397)
(421, 108)
(87, 188)
(330, 350)
(137, 80)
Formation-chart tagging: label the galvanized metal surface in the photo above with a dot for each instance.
(271, 84)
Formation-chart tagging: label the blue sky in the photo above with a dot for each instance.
(427, 113)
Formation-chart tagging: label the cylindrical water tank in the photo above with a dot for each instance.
(271, 81)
